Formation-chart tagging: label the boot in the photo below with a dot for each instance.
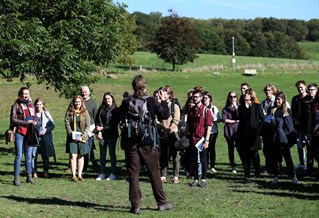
(16, 181)
(30, 179)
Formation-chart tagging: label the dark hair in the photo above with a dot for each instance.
(312, 85)
(198, 91)
(300, 82)
(208, 95)
(244, 84)
(228, 102)
(20, 93)
(126, 94)
(282, 95)
(139, 85)
(110, 94)
(252, 94)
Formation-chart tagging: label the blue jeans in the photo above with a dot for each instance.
(44, 158)
(111, 144)
(29, 153)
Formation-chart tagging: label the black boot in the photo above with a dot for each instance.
(16, 181)
(30, 179)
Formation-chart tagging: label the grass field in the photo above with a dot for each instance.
(227, 195)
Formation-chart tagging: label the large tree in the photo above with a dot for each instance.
(176, 42)
(60, 42)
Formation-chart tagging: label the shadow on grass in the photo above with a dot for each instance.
(62, 202)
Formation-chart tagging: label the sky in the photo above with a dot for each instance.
(229, 9)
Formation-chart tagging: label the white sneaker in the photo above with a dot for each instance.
(275, 181)
(112, 177)
(300, 166)
(294, 181)
(100, 177)
(214, 170)
(234, 171)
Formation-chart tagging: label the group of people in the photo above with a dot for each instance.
(272, 126)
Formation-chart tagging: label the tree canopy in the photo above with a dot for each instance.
(61, 42)
(176, 42)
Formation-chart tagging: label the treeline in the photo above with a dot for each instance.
(263, 37)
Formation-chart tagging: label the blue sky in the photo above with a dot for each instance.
(229, 9)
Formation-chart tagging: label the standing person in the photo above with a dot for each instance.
(243, 88)
(45, 125)
(107, 126)
(77, 124)
(91, 107)
(169, 129)
(211, 151)
(299, 115)
(143, 147)
(23, 114)
(250, 115)
(270, 91)
(283, 137)
(230, 118)
(312, 90)
(314, 130)
(199, 124)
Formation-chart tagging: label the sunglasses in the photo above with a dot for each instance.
(233, 96)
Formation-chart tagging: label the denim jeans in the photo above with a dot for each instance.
(45, 159)
(28, 151)
(111, 144)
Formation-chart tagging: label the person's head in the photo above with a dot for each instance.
(197, 96)
(231, 99)
(312, 89)
(270, 90)
(78, 104)
(301, 87)
(108, 99)
(126, 94)
(164, 93)
(250, 95)
(39, 105)
(281, 101)
(190, 93)
(207, 98)
(139, 85)
(24, 93)
(243, 87)
(170, 92)
(85, 93)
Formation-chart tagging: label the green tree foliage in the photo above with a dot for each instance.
(176, 42)
(313, 28)
(60, 42)
(297, 29)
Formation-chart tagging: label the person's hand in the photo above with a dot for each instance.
(79, 139)
(99, 128)
(205, 145)
(99, 135)
(42, 132)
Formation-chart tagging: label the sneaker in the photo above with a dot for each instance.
(203, 184)
(164, 207)
(112, 177)
(214, 170)
(163, 179)
(234, 171)
(275, 181)
(175, 180)
(301, 166)
(294, 181)
(195, 183)
(100, 177)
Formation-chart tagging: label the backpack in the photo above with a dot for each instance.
(138, 120)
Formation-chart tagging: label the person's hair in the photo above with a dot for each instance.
(252, 94)
(190, 93)
(244, 84)
(126, 94)
(200, 88)
(72, 108)
(186, 107)
(139, 85)
(40, 100)
(228, 101)
(20, 93)
(284, 107)
(300, 82)
(312, 85)
(198, 91)
(272, 87)
(111, 95)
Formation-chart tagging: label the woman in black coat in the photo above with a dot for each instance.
(250, 115)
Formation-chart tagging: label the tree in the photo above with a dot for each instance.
(60, 42)
(176, 42)
(313, 27)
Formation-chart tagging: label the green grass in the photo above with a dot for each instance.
(226, 195)
(311, 49)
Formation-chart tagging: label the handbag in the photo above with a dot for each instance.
(10, 135)
(32, 137)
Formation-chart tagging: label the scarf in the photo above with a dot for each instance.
(27, 111)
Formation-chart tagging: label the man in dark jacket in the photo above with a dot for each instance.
(143, 149)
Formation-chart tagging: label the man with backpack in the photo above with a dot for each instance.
(140, 140)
